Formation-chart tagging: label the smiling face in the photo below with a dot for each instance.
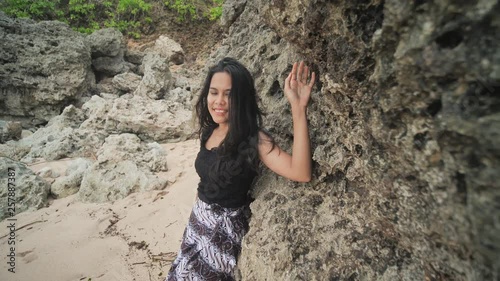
(218, 97)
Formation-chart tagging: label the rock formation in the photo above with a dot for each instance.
(404, 123)
(30, 191)
(113, 134)
(44, 67)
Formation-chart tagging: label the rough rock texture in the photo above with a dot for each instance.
(151, 120)
(404, 123)
(108, 52)
(157, 78)
(169, 49)
(124, 165)
(107, 42)
(30, 190)
(70, 183)
(43, 67)
(81, 132)
(10, 130)
(127, 82)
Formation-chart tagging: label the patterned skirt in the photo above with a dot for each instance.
(210, 244)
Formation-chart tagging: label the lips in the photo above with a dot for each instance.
(220, 111)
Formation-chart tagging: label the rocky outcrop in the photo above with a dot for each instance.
(113, 134)
(22, 189)
(151, 120)
(169, 49)
(69, 183)
(10, 130)
(157, 78)
(404, 124)
(43, 67)
(108, 52)
(124, 165)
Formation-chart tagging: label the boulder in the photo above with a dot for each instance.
(127, 82)
(69, 184)
(125, 165)
(44, 66)
(106, 42)
(161, 120)
(157, 78)
(10, 131)
(20, 186)
(169, 49)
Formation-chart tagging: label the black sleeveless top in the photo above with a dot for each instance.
(228, 183)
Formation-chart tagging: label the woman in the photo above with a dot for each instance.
(232, 143)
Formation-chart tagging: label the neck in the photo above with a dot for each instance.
(222, 129)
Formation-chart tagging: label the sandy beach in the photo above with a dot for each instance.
(134, 238)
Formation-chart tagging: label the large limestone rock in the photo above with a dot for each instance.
(405, 138)
(21, 190)
(62, 137)
(169, 49)
(69, 183)
(157, 78)
(124, 165)
(81, 132)
(44, 67)
(151, 120)
(10, 130)
(108, 52)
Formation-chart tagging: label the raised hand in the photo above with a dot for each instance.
(297, 89)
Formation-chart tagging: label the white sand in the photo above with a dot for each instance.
(71, 241)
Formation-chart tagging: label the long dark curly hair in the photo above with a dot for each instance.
(245, 116)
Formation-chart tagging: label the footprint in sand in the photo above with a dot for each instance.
(28, 256)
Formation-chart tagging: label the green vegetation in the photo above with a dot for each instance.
(215, 12)
(189, 10)
(128, 16)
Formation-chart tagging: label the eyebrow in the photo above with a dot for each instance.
(212, 88)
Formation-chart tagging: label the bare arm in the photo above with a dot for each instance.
(297, 166)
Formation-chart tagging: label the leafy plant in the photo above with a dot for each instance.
(39, 10)
(215, 12)
(184, 9)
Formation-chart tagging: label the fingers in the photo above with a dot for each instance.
(287, 81)
(301, 72)
(294, 71)
(313, 78)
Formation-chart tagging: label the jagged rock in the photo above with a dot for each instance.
(106, 42)
(58, 139)
(108, 52)
(107, 86)
(44, 66)
(168, 49)
(26, 133)
(30, 190)
(232, 10)
(110, 66)
(157, 78)
(134, 56)
(127, 82)
(10, 131)
(70, 183)
(124, 165)
(151, 120)
(404, 130)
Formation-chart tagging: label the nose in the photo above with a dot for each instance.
(220, 99)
